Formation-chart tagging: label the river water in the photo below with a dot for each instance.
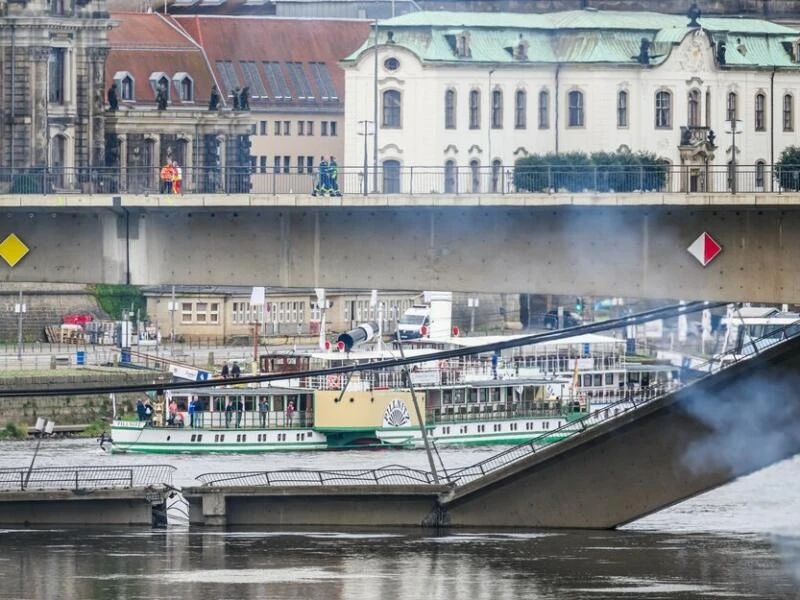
(739, 541)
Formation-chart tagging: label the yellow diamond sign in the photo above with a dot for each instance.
(13, 249)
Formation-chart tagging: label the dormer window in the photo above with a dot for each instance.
(462, 45)
(521, 49)
(126, 86)
(158, 80)
(184, 86)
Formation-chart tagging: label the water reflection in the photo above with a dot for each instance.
(396, 565)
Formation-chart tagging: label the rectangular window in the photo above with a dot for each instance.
(213, 312)
(309, 127)
(201, 310)
(187, 315)
(324, 81)
(263, 128)
(663, 110)
(299, 80)
(252, 78)
(332, 128)
(56, 71)
(276, 164)
(228, 75)
(761, 121)
(323, 128)
(301, 162)
(280, 89)
(309, 164)
(287, 127)
(622, 109)
(474, 109)
(788, 113)
(301, 128)
(287, 162)
(277, 128)
(263, 164)
(544, 110)
(575, 106)
(731, 111)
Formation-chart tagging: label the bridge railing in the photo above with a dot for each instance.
(418, 180)
(389, 475)
(86, 477)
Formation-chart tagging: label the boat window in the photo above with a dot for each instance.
(495, 395)
(598, 380)
(484, 395)
(447, 396)
(609, 379)
(587, 381)
(458, 395)
(472, 396)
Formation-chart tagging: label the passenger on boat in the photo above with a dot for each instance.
(191, 412)
(199, 407)
(290, 413)
(140, 410)
(263, 408)
(173, 411)
(239, 410)
(228, 412)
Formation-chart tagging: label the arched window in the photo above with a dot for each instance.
(731, 112)
(788, 112)
(622, 108)
(575, 105)
(164, 83)
(663, 110)
(187, 90)
(475, 172)
(544, 109)
(760, 168)
(126, 88)
(497, 171)
(450, 109)
(761, 112)
(520, 110)
(497, 109)
(474, 109)
(391, 177)
(694, 108)
(450, 177)
(391, 109)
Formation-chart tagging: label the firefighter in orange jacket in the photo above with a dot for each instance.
(167, 173)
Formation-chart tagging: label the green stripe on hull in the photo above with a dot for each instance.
(199, 448)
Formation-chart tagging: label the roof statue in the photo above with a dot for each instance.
(693, 14)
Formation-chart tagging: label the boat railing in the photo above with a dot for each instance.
(86, 477)
(611, 411)
(389, 475)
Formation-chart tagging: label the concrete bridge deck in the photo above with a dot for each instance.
(632, 245)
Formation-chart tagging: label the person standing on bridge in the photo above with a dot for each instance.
(333, 177)
(166, 178)
(235, 371)
(225, 372)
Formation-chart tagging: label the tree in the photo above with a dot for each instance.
(788, 167)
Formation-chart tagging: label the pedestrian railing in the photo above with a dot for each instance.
(573, 427)
(416, 180)
(389, 475)
(86, 478)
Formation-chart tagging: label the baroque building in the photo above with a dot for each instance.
(467, 94)
(52, 60)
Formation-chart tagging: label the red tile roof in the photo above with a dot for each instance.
(143, 44)
(266, 39)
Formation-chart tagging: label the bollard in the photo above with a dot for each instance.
(53, 362)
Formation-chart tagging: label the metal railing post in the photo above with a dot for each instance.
(411, 181)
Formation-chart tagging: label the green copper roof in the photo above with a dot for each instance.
(579, 36)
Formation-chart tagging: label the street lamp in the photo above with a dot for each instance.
(734, 127)
(366, 133)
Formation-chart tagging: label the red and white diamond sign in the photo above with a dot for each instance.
(704, 249)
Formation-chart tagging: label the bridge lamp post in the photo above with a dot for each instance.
(365, 125)
(734, 127)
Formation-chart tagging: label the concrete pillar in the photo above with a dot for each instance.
(214, 509)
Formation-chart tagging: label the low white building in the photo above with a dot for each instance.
(461, 96)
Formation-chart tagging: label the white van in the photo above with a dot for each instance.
(411, 323)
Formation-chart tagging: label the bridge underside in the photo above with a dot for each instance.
(634, 251)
